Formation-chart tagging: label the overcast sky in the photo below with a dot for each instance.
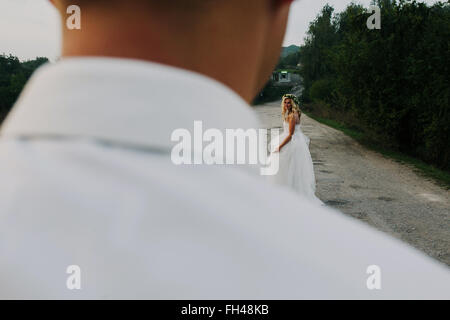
(30, 28)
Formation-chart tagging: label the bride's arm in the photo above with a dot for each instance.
(291, 132)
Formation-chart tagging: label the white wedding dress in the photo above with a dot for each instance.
(295, 163)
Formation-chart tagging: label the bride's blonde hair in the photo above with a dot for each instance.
(295, 105)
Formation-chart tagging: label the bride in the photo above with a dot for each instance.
(296, 167)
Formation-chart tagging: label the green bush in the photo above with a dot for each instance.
(13, 76)
(272, 93)
(321, 90)
(393, 82)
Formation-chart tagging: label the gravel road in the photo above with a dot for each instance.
(361, 183)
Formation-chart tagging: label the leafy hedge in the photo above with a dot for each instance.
(392, 83)
(13, 76)
(271, 93)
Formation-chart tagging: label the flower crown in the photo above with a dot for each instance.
(292, 97)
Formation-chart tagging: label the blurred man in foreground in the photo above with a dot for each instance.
(93, 207)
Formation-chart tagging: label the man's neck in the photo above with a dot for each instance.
(206, 47)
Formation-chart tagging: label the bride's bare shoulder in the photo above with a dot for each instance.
(290, 117)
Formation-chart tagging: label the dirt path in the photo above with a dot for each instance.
(364, 184)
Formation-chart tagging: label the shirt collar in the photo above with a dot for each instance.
(124, 101)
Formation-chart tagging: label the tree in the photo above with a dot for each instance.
(13, 76)
(391, 83)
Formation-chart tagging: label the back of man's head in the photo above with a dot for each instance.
(236, 42)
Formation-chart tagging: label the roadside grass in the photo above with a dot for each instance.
(441, 177)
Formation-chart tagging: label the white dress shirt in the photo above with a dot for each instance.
(86, 180)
